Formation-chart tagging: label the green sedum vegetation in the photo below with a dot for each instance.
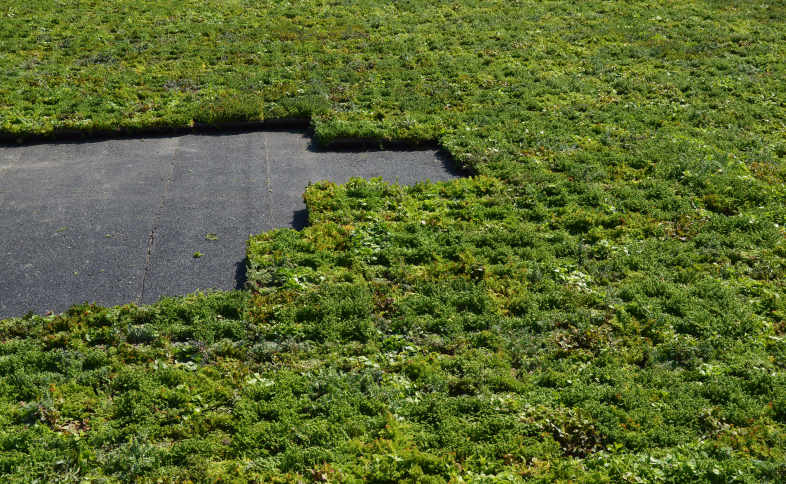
(603, 300)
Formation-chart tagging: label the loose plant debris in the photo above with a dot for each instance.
(603, 300)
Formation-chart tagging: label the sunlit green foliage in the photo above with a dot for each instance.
(602, 301)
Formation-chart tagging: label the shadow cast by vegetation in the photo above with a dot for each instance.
(240, 274)
(349, 144)
(218, 129)
(300, 219)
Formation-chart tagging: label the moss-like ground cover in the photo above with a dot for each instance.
(603, 301)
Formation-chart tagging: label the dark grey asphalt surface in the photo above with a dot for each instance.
(119, 221)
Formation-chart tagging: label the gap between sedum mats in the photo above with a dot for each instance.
(119, 221)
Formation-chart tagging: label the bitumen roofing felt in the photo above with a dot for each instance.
(119, 220)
